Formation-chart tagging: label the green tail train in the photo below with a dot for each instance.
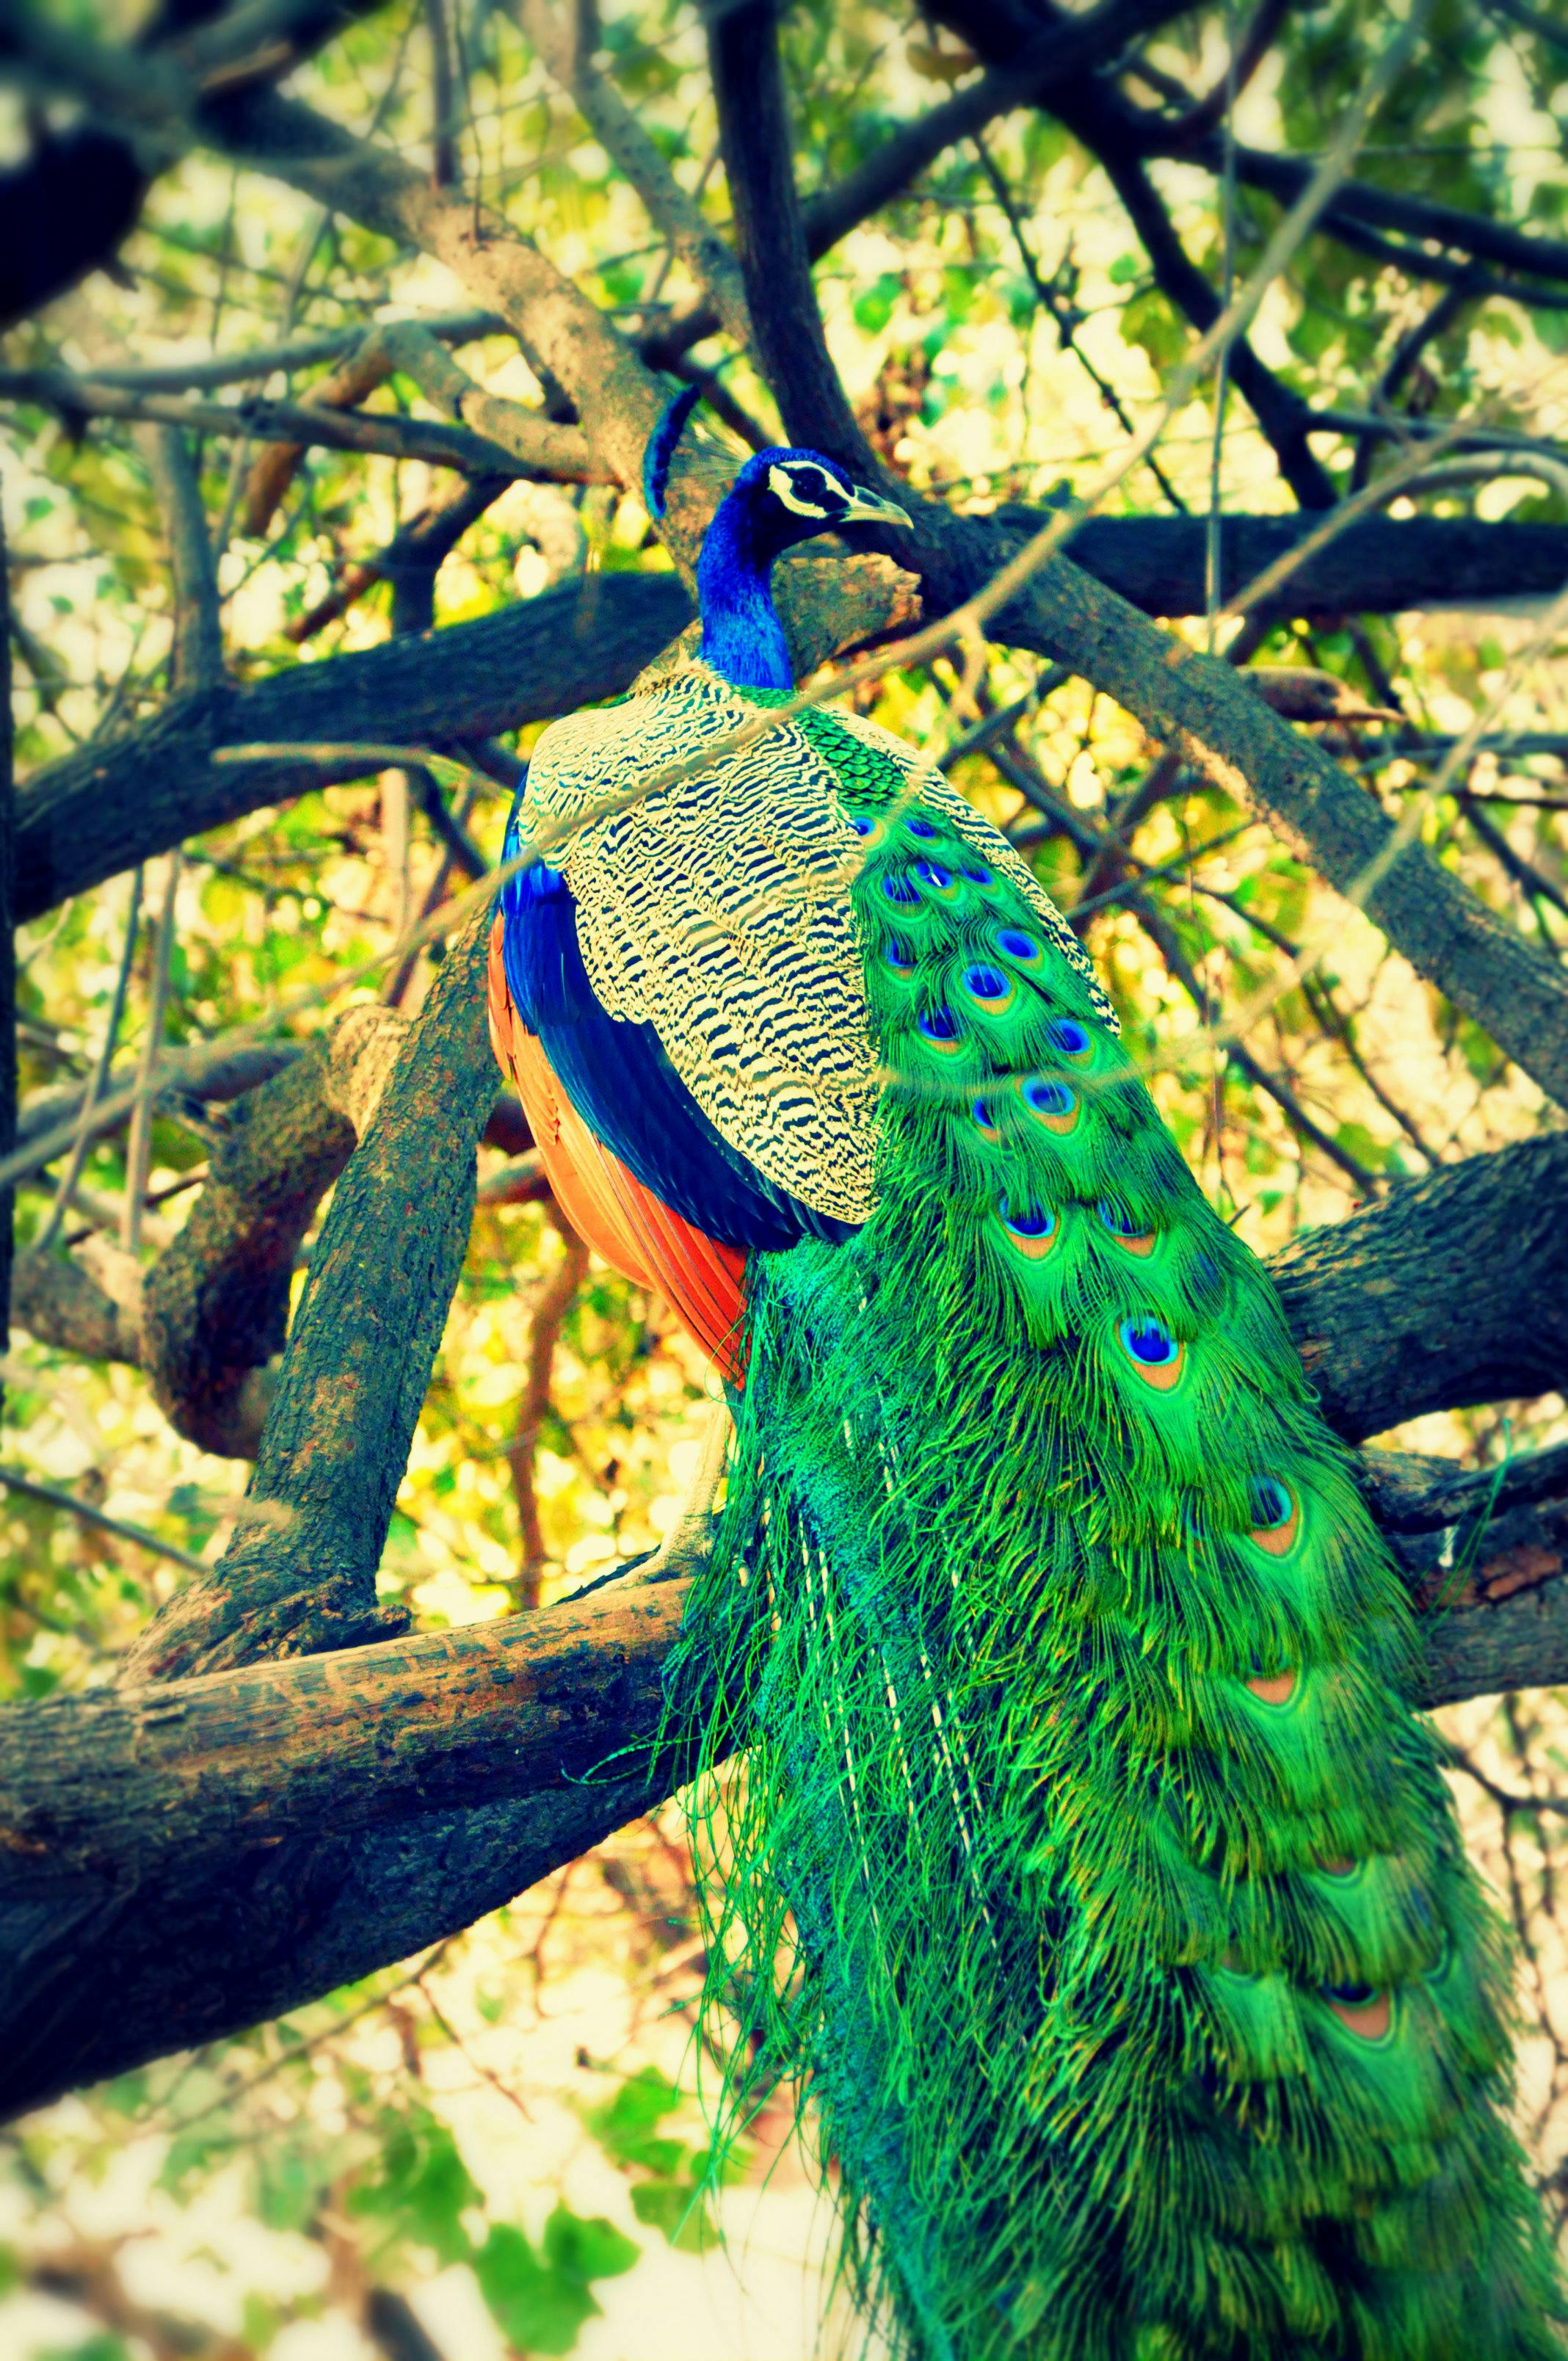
(1087, 1857)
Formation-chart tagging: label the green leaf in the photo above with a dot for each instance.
(873, 309)
(676, 2208)
(424, 2187)
(536, 2308)
(201, 2149)
(588, 2247)
(642, 2100)
(1149, 323)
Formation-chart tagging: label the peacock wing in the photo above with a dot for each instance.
(717, 908)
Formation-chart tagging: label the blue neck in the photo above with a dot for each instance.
(742, 635)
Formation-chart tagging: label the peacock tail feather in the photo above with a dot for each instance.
(1086, 1859)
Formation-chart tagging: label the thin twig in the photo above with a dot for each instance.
(52, 1497)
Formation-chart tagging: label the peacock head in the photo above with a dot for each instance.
(781, 497)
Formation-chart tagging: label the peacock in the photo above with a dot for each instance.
(1079, 1848)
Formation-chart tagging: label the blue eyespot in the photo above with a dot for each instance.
(898, 956)
(1043, 1097)
(898, 888)
(1117, 1220)
(977, 873)
(1014, 944)
(1067, 1035)
(862, 827)
(987, 983)
(1351, 1995)
(935, 875)
(1032, 1221)
(984, 1121)
(938, 1025)
(1149, 1341)
(918, 827)
(1268, 1502)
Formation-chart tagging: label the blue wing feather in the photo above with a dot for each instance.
(619, 1081)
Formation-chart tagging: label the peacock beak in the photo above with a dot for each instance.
(869, 508)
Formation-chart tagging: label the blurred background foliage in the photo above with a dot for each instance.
(491, 2150)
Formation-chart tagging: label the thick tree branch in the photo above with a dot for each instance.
(57, 1301)
(103, 809)
(758, 164)
(358, 1359)
(1449, 1291)
(210, 1314)
(214, 1306)
(176, 1862)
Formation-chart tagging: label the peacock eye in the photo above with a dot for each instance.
(1044, 1097)
(1276, 1515)
(938, 1026)
(862, 827)
(984, 1121)
(1156, 1354)
(1268, 1501)
(940, 880)
(1014, 944)
(900, 889)
(921, 828)
(978, 874)
(898, 955)
(1032, 1225)
(1068, 1037)
(989, 986)
(1148, 1340)
(1125, 1227)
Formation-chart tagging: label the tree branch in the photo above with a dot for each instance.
(66, 210)
(178, 1861)
(412, 557)
(1392, 1321)
(1199, 705)
(209, 1315)
(214, 1306)
(198, 654)
(1283, 415)
(560, 35)
(759, 153)
(103, 808)
(540, 451)
(1472, 236)
(358, 1359)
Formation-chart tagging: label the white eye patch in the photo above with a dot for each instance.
(780, 482)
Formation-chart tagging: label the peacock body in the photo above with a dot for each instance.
(1087, 1859)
